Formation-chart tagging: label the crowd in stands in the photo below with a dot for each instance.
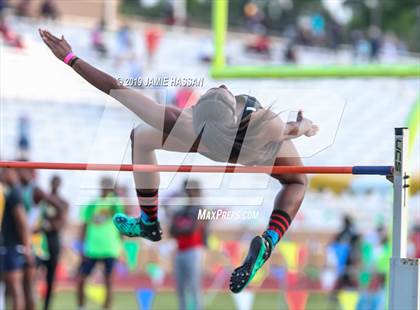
(315, 30)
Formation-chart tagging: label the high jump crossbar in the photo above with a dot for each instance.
(367, 170)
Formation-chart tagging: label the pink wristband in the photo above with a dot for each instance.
(68, 58)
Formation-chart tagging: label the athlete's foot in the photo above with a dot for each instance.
(136, 227)
(259, 252)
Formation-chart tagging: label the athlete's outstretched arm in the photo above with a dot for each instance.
(144, 107)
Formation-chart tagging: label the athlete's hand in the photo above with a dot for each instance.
(59, 47)
(306, 126)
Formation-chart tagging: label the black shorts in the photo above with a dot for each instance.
(88, 264)
(171, 116)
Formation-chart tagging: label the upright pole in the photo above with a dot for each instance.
(404, 288)
(220, 21)
(399, 224)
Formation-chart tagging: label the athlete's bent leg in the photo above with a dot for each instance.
(286, 205)
(145, 140)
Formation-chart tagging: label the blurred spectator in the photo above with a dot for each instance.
(125, 44)
(375, 43)
(10, 37)
(23, 137)
(101, 240)
(261, 44)
(361, 47)
(31, 195)
(390, 48)
(415, 239)
(190, 235)
(168, 13)
(290, 53)
(254, 16)
(15, 250)
(336, 35)
(152, 37)
(2, 6)
(206, 51)
(97, 38)
(304, 31)
(53, 222)
(382, 234)
(30, 191)
(349, 237)
(22, 8)
(48, 10)
(318, 27)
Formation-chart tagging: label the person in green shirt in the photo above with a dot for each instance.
(101, 240)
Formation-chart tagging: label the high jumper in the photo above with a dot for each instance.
(221, 126)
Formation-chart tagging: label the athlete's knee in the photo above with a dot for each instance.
(139, 135)
(294, 179)
(303, 180)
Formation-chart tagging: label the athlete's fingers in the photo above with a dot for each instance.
(53, 40)
(52, 37)
(314, 128)
(47, 42)
(44, 36)
(310, 134)
(63, 39)
(57, 43)
(312, 131)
